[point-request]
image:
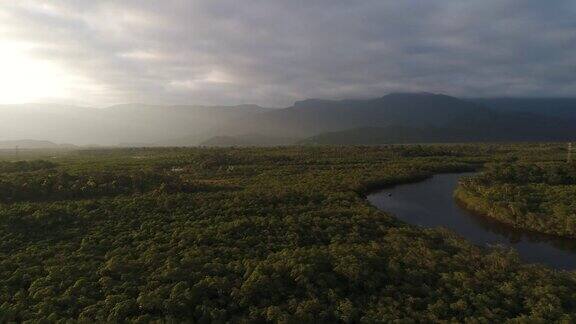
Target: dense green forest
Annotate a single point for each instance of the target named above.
(533, 196)
(254, 235)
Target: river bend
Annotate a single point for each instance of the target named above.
(430, 203)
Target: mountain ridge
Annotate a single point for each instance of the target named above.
(246, 124)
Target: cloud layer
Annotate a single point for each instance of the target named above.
(275, 52)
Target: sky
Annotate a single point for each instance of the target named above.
(272, 53)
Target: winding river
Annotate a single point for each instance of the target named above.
(430, 203)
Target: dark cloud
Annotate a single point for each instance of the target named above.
(275, 52)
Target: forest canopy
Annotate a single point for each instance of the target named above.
(257, 235)
(532, 196)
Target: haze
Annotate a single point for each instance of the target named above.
(63, 54)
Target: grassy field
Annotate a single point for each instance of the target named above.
(253, 235)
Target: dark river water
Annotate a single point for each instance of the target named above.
(430, 203)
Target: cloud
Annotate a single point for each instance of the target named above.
(275, 52)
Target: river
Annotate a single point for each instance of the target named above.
(430, 203)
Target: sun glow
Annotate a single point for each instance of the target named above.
(24, 78)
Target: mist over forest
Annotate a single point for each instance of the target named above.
(393, 118)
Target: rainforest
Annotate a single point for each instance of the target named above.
(279, 234)
(532, 196)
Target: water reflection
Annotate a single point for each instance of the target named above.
(430, 204)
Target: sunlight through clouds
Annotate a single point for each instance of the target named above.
(24, 78)
(275, 52)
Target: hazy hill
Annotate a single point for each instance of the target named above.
(314, 116)
(397, 117)
(412, 117)
(551, 107)
(133, 123)
(383, 135)
(248, 140)
(518, 127)
(163, 124)
(32, 144)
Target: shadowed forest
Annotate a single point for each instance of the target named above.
(532, 196)
(270, 235)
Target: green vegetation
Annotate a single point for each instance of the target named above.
(24, 166)
(535, 196)
(254, 235)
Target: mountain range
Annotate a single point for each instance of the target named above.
(116, 125)
(393, 118)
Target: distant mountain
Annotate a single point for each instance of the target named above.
(412, 117)
(310, 117)
(133, 123)
(518, 127)
(550, 107)
(33, 144)
(383, 135)
(248, 140)
(396, 117)
(163, 124)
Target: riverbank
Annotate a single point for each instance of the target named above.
(430, 204)
(532, 202)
